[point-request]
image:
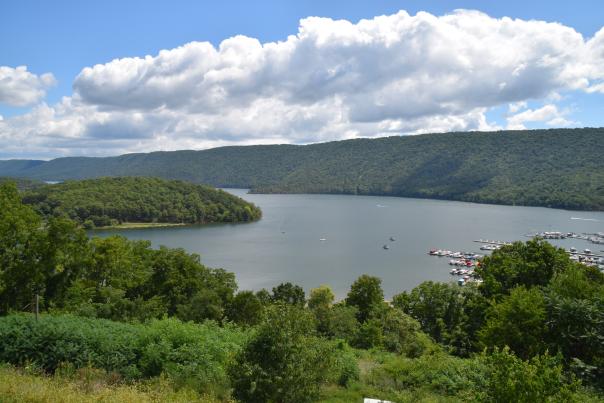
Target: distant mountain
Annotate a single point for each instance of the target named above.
(554, 168)
(14, 167)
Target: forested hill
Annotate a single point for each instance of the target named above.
(554, 168)
(22, 183)
(109, 201)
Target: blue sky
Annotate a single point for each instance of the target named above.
(64, 37)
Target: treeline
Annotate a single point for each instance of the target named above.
(531, 332)
(560, 168)
(23, 183)
(534, 301)
(110, 201)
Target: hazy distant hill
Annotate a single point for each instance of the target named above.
(555, 168)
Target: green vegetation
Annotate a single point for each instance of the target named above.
(129, 351)
(130, 201)
(23, 183)
(120, 321)
(560, 168)
(85, 385)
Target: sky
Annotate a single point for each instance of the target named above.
(115, 77)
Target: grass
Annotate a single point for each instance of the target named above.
(85, 385)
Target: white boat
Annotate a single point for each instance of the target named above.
(322, 239)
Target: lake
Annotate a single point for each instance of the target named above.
(285, 244)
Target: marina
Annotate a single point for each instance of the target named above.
(465, 262)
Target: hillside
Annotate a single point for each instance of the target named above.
(560, 168)
(107, 201)
(23, 183)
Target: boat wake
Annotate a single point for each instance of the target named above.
(583, 219)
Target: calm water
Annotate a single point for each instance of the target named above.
(285, 245)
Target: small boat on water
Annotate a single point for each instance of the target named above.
(573, 249)
(392, 239)
(386, 247)
(322, 239)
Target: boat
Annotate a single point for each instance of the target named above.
(587, 252)
(322, 239)
(386, 247)
(392, 239)
(573, 249)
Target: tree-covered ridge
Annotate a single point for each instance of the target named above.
(104, 201)
(560, 168)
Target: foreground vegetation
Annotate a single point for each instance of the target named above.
(84, 385)
(122, 321)
(560, 168)
(116, 201)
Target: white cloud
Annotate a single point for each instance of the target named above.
(19, 87)
(516, 106)
(548, 113)
(396, 74)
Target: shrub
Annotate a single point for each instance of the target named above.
(284, 361)
(191, 355)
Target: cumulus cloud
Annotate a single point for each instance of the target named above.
(548, 114)
(334, 79)
(19, 87)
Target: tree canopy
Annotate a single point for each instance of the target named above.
(105, 201)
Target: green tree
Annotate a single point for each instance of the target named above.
(246, 309)
(528, 264)
(290, 294)
(366, 295)
(437, 306)
(509, 379)
(517, 322)
(321, 297)
(284, 361)
(319, 303)
(65, 255)
(340, 322)
(21, 237)
(575, 321)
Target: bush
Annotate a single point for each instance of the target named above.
(510, 379)
(189, 354)
(345, 367)
(284, 361)
(438, 373)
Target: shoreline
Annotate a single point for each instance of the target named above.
(139, 225)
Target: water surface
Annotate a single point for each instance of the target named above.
(285, 245)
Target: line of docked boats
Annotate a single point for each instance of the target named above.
(490, 247)
(457, 255)
(464, 263)
(595, 238)
(586, 257)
